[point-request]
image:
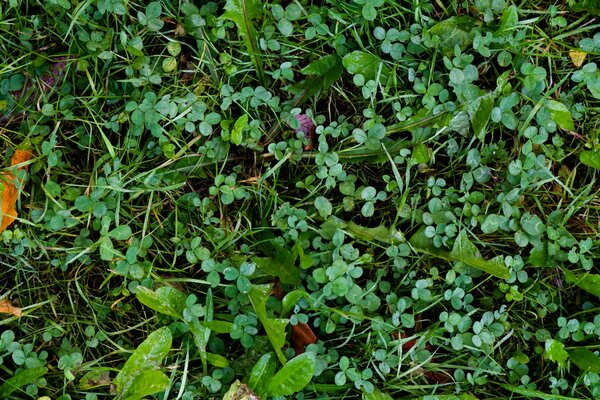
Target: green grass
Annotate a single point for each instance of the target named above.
(179, 237)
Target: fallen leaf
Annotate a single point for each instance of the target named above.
(6, 307)
(578, 57)
(302, 336)
(9, 192)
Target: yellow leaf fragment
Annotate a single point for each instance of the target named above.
(6, 307)
(8, 211)
(578, 57)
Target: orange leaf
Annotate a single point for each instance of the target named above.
(10, 193)
(6, 307)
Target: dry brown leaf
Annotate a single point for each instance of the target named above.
(578, 57)
(6, 307)
(10, 192)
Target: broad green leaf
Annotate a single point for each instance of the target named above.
(561, 115)
(368, 65)
(290, 300)
(261, 374)
(275, 328)
(555, 351)
(463, 250)
(146, 383)
(588, 282)
(165, 300)
(280, 263)
(455, 31)
(481, 116)
(23, 378)
(585, 360)
(293, 376)
(243, 13)
(217, 360)
(219, 326)
(147, 356)
(322, 73)
(590, 158)
(237, 132)
(509, 21)
(530, 393)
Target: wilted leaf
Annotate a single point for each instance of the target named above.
(10, 192)
(8, 308)
(95, 378)
(240, 391)
(578, 57)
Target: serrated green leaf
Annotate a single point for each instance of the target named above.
(293, 376)
(148, 356)
(463, 250)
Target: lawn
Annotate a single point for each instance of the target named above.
(247, 200)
